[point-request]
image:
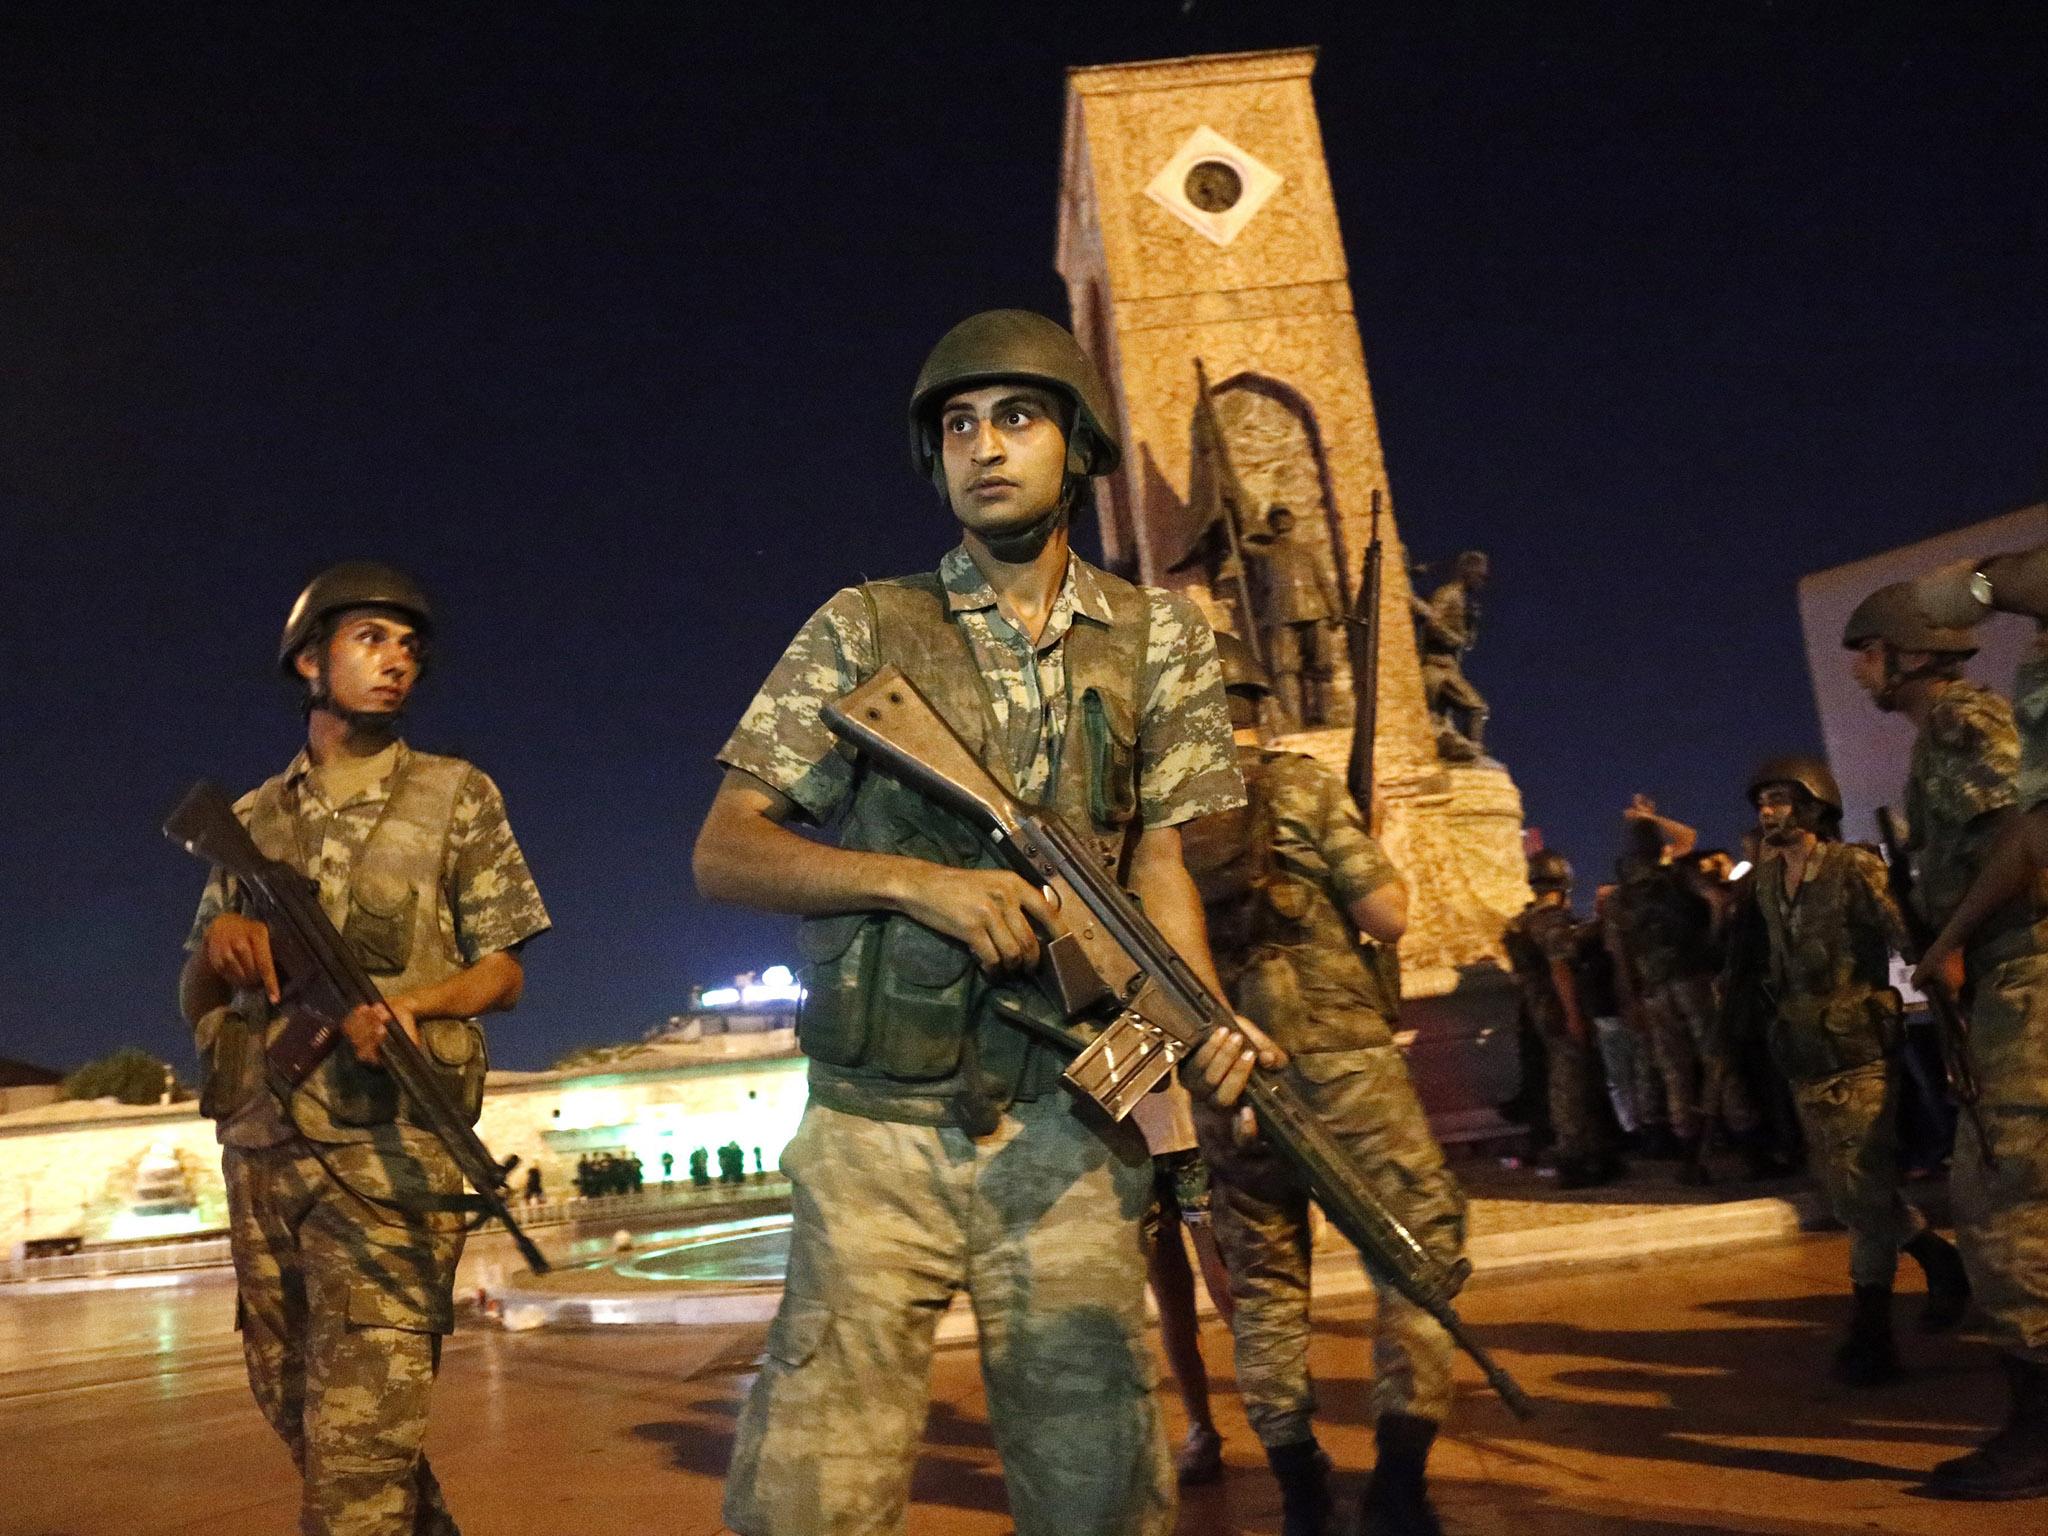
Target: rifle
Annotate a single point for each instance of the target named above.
(1363, 625)
(1104, 962)
(1951, 1028)
(322, 981)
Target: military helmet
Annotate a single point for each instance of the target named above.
(352, 584)
(1002, 344)
(1549, 870)
(1893, 615)
(1242, 670)
(1802, 771)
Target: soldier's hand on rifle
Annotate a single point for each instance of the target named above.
(989, 910)
(237, 950)
(366, 1025)
(1223, 1063)
(1941, 966)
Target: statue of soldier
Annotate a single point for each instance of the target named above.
(1835, 1033)
(1296, 605)
(339, 1206)
(1973, 804)
(1291, 884)
(1447, 627)
(1665, 932)
(1543, 944)
(938, 1152)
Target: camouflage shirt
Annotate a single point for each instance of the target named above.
(491, 902)
(1186, 766)
(1665, 926)
(1542, 935)
(1320, 839)
(1965, 763)
(1447, 629)
(2030, 715)
(1834, 936)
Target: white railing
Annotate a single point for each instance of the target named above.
(212, 1250)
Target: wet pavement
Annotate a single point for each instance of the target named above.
(1681, 1397)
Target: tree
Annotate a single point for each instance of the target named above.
(130, 1074)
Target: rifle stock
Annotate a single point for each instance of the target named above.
(322, 982)
(1106, 965)
(1951, 1027)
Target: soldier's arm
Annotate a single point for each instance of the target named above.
(747, 854)
(2017, 856)
(1567, 988)
(1679, 839)
(1159, 878)
(2019, 584)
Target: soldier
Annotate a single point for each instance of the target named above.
(1296, 602)
(339, 1208)
(1448, 626)
(1974, 767)
(1543, 950)
(1665, 927)
(1835, 1033)
(1290, 885)
(938, 1152)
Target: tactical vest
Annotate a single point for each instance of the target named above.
(1813, 1037)
(390, 916)
(898, 1021)
(1264, 919)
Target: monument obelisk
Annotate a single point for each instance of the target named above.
(1199, 241)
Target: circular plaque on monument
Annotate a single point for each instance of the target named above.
(1213, 186)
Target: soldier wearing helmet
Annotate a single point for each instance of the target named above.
(1304, 909)
(1835, 1034)
(1543, 945)
(416, 863)
(938, 1152)
(1975, 798)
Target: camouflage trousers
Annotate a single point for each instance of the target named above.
(1692, 1059)
(1039, 1223)
(1577, 1124)
(1851, 1124)
(342, 1303)
(1261, 1216)
(2002, 1212)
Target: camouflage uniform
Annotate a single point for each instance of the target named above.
(1835, 1036)
(1966, 765)
(1292, 960)
(1665, 933)
(345, 1273)
(897, 1203)
(1543, 935)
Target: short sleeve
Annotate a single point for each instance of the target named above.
(781, 738)
(1187, 763)
(1358, 865)
(1979, 753)
(497, 906)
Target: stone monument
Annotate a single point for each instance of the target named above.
(1198, 239)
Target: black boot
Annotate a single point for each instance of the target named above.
(1867, 1357)
(1397, 1497)
(2012, 1464)
(1948, 1284)
(1303, 1472)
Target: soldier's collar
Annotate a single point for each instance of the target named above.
(967, 588)
(301, 767)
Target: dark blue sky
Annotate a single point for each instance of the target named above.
(600, 319)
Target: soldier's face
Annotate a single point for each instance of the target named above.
(372, 661)
(1867, 668)
(1005, 456)
(1776, 813)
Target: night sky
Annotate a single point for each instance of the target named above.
(600, 319)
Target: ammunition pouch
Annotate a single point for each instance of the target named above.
(458, 1055)
(1822, 1038)
(379, 925)
(230, 1061)
(1112, 738)
(885, 995)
